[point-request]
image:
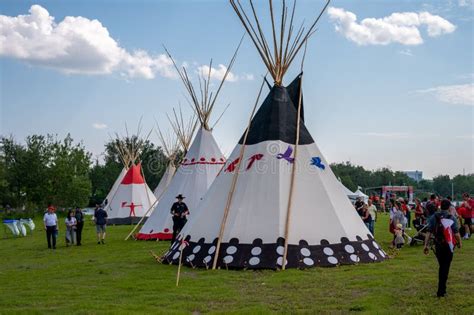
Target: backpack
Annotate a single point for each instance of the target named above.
(439, 236)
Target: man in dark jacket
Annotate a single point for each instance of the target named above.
(100, 218)
(179, 211)
(444, 227)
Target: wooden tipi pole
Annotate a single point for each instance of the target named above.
(234, 182)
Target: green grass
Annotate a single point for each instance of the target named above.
(122, 277)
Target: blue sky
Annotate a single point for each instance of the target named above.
(390, 90)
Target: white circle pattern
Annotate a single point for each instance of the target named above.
(382, 253)
(280, 261)
(231, 250)
(254, 261)
(308, 261)
(211, 250)
(349, 249)
(280, 250)
(333, 260)
(256, 251)
(354, 258)
(176, 255)
(305, 252)
(365, 247)
(207, 259)
(196, 249)
(190, 257)
(372, 256)
(328, 251)
(228, 259)
(375, 244)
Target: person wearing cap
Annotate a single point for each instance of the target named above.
(179, 211)
(51, 226)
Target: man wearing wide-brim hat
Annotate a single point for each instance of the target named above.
(179, 211)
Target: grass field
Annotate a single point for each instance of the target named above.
(122, 277)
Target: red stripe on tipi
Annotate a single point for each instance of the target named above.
(133, 176)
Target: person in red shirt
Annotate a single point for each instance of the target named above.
(419, 213)
(468, 212)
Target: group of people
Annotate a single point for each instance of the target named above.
(74, 224)
(442, 223)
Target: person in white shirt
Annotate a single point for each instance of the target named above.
(51, 226)
(71, 225)
(373, 215)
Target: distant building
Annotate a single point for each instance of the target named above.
(415, 175)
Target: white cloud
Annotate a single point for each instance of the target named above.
(74, 45)
(406, 52)
(248, 76)
(402, 28)
(462, 94)
(219, 72)
(99, 126)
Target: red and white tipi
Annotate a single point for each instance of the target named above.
(132, 199)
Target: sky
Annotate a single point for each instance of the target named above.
(386, 83)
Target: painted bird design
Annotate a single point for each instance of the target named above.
(252, 159)
(316, 161)
(286, 155)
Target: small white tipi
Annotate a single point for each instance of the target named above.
(125, 203)
(277, 203)
(199, 168)
(132, 199)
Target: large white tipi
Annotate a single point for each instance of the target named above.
(199, 168)
(277, 203)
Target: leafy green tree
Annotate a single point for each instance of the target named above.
(442, 185)
(69, 173)
(462, 184)
(44, 170)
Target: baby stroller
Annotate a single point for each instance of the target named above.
(421, 229)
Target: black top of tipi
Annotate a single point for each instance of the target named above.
(276, 118)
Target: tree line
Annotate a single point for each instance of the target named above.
(46, 169)
(353, 176)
